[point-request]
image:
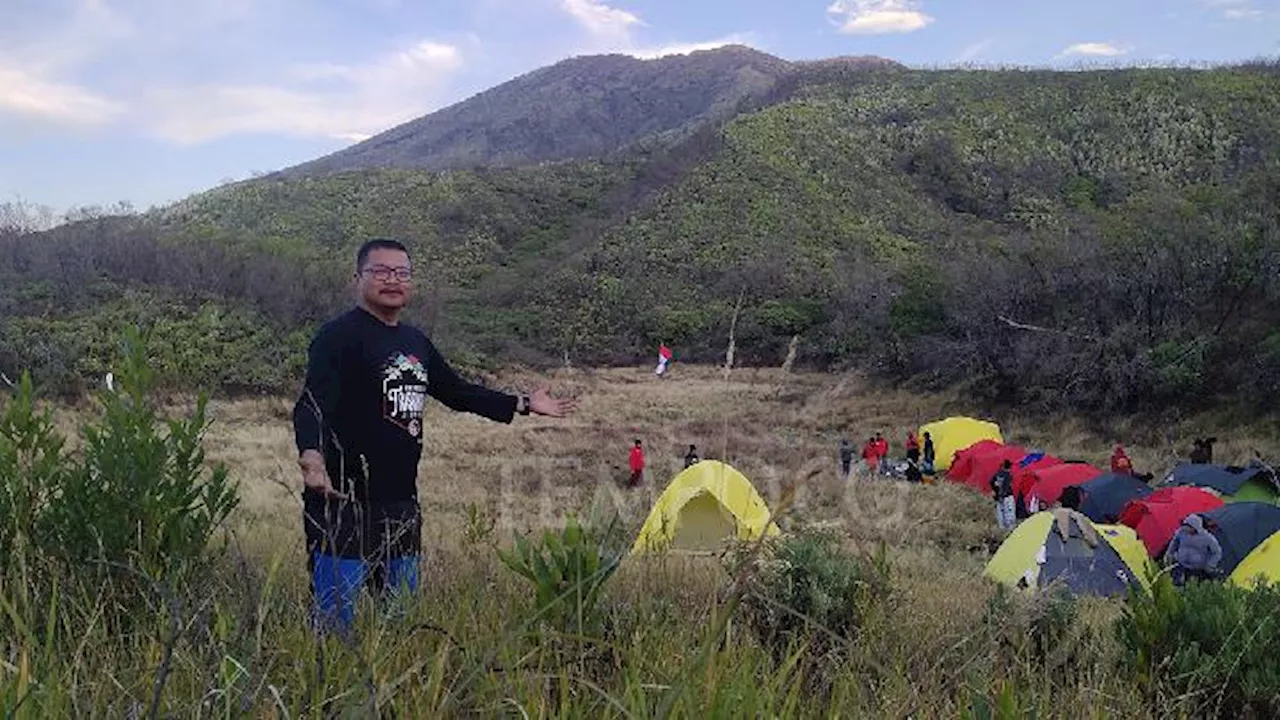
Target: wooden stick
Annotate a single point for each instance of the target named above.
(1036, 328)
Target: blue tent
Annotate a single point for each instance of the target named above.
(1104, 497)
(1241, 527)
(1254, 482)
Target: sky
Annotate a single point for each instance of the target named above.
(148, 101)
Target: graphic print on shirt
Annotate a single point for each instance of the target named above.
(404, 392)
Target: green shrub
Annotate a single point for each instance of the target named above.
(568, 569)
(805, 588)
(1211, 648)
(133, 511)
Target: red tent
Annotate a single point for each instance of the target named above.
(1157, 516)
(986, 465)
(962, 464)
(1048, 483)
(1025, 477)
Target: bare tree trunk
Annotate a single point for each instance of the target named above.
(791, 354)
(733, 329)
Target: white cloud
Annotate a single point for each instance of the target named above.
(685, 48)
(1094, 49)
(878, 17)
(602, 21)
(348, 102)
(1235, 9)
(27, 94)
(1242, 13)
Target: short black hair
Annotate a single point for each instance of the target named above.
(362, 255)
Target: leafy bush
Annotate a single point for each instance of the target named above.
(134, 510)
(568, 568)
(805, 588)
(1211, 648)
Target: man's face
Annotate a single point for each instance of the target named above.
(386, 279)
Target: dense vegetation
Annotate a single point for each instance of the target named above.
(1104, 241)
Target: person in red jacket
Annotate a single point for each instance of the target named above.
(1120, 462)
(636, 461)
(871, 454)
(882, 451)
(913, 447)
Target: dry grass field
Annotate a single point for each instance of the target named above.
(940, 643)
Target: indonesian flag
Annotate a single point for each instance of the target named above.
(664, 357)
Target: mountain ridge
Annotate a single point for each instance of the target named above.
(582, 107)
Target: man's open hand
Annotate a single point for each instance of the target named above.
(541, 403)
(315, 476)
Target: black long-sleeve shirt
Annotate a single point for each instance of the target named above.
(361, 406)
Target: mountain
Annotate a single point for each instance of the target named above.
(1103, 241)
(579, 108)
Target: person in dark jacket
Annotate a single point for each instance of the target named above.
(691, 458)
(358, 428)
(929, 456)
(1193, 552)
(1202, 453)
(1002, 492)
(846, 458)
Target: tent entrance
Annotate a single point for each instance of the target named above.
(703, 524)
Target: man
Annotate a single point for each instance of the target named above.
(1120, 462)
(1193, 551)
(1002, 491)
(929, 454)
(871, 455)
(691, 457)
(636, 462)
(846, 458)
(913, 447)
(358, 430)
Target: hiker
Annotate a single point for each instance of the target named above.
(1002, 491)
(1202, 453)
(636, 462)
(913, 472)
(871, 455)
(691, 457)
(358, 429)
(913, 447)
(1120, 462)
(1194, 552)
(846, 458)
(929, 455)
(882, 451)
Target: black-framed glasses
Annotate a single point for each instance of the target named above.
(382, 273)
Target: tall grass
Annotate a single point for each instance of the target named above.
(676, 635)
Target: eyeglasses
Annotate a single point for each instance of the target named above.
(382, 273)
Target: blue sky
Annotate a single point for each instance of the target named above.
(151, 100)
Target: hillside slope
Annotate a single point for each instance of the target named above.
(580, 108)
(1103, 240)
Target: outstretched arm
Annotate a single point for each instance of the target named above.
(458, 394)
(448, 387)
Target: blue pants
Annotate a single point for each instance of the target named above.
(352, 546)
(336, 582)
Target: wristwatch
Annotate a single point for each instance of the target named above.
(522, 404)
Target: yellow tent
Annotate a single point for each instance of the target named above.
(1262, 562)
(702, 507)
(957, 433)
(1088, 559)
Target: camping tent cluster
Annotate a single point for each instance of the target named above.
(1110, 525)
(1092, 531)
